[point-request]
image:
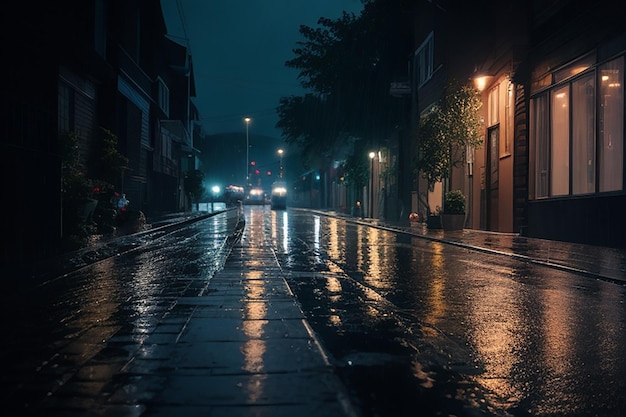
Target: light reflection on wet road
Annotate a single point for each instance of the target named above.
(411, 324)
(531, 340)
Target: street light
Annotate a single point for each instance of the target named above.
(280, 152)
(215, 192)
(247, 120)
(371, 199)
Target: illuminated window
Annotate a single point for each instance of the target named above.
(577, 134)
(611, 125)
(583, 136)
(559, 149)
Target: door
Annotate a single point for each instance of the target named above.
(492, 180)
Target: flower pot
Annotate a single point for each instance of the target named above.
(452, 221)
(433, 222)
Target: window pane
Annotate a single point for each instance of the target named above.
(559, 168)
(583, 136)
(539, 141)
(611, 124)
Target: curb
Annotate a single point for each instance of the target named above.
(62, 265)
(517, 256)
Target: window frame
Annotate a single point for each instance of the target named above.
(541, 125)
(423, 60)
(163, 96)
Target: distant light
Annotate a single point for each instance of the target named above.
(317, 177)
(372, 155)
(216, 189)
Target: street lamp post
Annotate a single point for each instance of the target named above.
(247, 120)
(280, 152)
(371, 196)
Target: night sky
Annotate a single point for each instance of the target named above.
(239, 49)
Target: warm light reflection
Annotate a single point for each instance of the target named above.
(334, 249)
(254, 321)
(333, 285)
(335, 291)
(372, 276)
(578, 70)
(316, 232)
(435, 297)
(285, 232)
(253, 351)
(360, 251)
(142, 286)
(494, 319)
(381, 259)
(274, 228)
(280, 230)
(98, 305)
(558, 333)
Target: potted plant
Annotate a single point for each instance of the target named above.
(453, 216)
(443, 135)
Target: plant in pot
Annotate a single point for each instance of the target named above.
(443, 135)
(453, 216)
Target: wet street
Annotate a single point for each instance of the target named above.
(402, 315)
(410, 326)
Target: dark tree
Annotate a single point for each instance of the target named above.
(193, 185)
(348, 65)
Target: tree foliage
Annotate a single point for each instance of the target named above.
(444, 133)
(347, 66)
(193, 185)
(106, 162)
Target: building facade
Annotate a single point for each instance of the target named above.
(84, 68)
(574, 81)
(551, 81)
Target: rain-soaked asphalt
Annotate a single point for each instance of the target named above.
(398, 312)
(412, 326)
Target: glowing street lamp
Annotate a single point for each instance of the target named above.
(280, 152)
(215, 192)
(247, 120)
(371, 199)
